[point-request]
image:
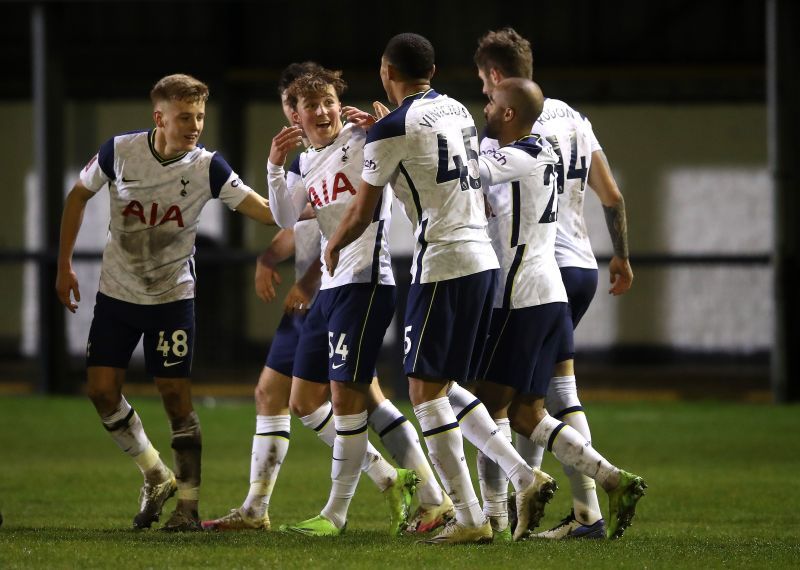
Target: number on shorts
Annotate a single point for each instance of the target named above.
(180, 346)
(341, 347)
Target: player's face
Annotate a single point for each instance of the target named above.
(494, 118)
(181, 123)
(486, 78)
(320, 116)
(385, 80)
(287, 108)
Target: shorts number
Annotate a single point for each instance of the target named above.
(179, 346)
(407, 341)
(341, 347)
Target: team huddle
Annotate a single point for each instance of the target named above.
(502, 273)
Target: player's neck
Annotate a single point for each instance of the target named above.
(162, 146)
(510, 135)
(403, 90)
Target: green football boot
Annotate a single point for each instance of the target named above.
(398, 497)
(317, 526)
(622, 503)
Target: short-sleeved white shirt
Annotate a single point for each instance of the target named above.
(571, 136)
(427, 149)
(155, 207)
(522, 223)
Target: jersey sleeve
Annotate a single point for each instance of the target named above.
(100, 169)
(594, 144)
(287, 194)
(385, 148)
(505, 165)
(225, 184)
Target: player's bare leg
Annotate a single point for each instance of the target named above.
(270, 445)
(529, 417)
(446, 451)
(187, 445)
(104, 388)
(402, 441)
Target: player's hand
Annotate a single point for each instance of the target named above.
(265, 280)
(67, 287)
(381, 110)
(297, 301)
(283, 142)
(359, 118)
(620, 275)
(331, 259)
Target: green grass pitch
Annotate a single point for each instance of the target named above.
(723, 493)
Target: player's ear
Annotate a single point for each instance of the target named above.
(495, 75)
(509, 114)
(158, 118)
(433, 71)
(295, 117)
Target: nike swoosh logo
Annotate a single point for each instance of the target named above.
(335, 366)
(337, 459)
(303, 174)
(168, 364)
(130, 179)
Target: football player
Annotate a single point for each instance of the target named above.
(159, 180)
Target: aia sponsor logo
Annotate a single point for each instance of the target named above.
(340, 185)
(154, 216)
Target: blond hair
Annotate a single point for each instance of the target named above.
(179, 87)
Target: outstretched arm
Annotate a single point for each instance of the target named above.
(356, 220)
(602, 182)
(256, 207)
(71, 220)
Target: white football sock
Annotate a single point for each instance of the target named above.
(375, 466)
(446, 451)
(270, 444)
(494, 484)
(348, 456)
(481, 431)
(572, 449)
(531, 453)
(127, 431)
(401, 440)
(562, 400)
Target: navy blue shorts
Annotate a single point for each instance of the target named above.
(281, 351)
(581, 285)
(522, 347)
(343, 333)
(168, 331)
(446, 326)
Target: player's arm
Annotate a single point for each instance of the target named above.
(602, 182)
(286, 193)
(71, 220)
(299, 296)
(280, 249)
(356, 220)
(256, 207)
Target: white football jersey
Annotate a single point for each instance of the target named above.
(427, 149)
(328, 178)
(522, 223)
(571, 135)
(155, 208)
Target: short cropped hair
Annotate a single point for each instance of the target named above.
(315, 83)
(179, 87)
(506, 51)
(411, 54)
(295, 70)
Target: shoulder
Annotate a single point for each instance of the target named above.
(122, 144)
(392, 125)
(532, 145)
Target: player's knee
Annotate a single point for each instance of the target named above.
(105, 397)
(302, 408)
